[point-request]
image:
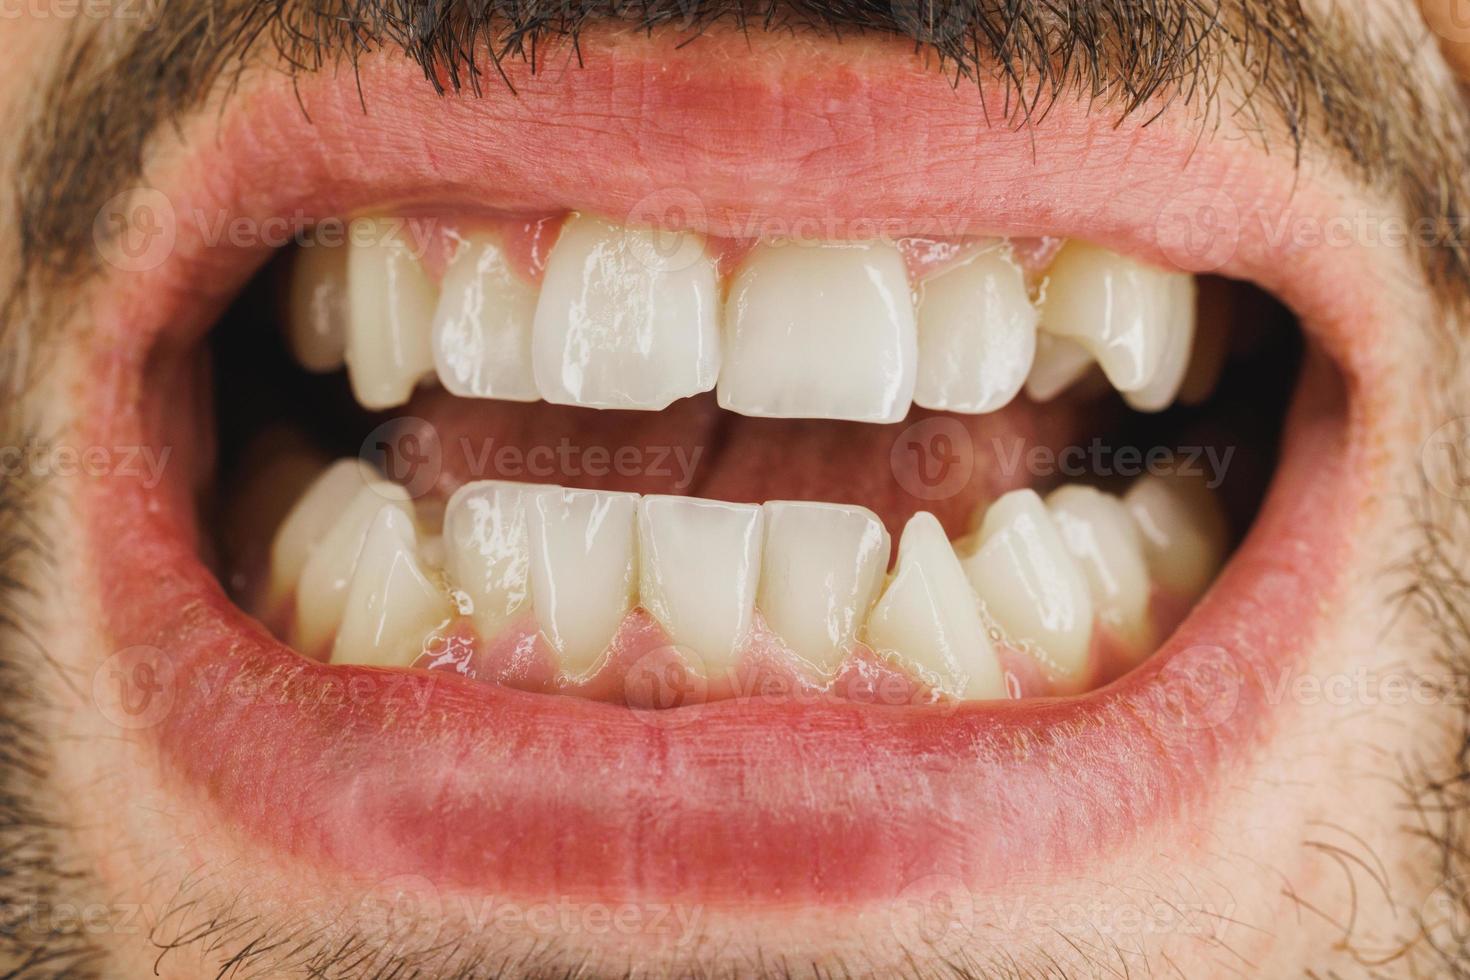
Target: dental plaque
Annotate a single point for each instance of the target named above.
(652, 468)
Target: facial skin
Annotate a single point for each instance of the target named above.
(1332, 847)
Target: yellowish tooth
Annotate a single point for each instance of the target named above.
(391, 302)
(488, 552)
(321, 592)
(482, 325)
(821, 571)
(310, 519)
(1059, 364)
(928, 619)
(1184, 531)
(392, 606)
(1160, 391)
(584, 570)
(316, 307)
(1030, 583)
(1100, 533)
(977, 335)
(700, 562)
(1114, 306)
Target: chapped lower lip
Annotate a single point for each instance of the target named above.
(480, 788)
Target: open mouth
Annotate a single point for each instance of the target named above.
(769, 530)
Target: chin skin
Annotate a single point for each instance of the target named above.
(1309, 856)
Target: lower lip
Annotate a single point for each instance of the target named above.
(476, 787)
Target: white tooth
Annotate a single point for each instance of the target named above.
(1101, 535)
(487, 551)
(977, 335)
(821, 570)
(1031, 585)
(316, 309)
(929, 619)
(1160, 391)
(584, 574)
(623, 321)
(392, 302)
(482, 325)
(321, 592)
(392, 605)
(700, 562)
(310, 519)
(1060, 363)
(1117, 308)
(820, 331)
(1184, 532)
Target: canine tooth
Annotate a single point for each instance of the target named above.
(584, 546)
(977, 335)
(821, 570)
(1059, 364)
(1030, 583)
(1184, 532)
(487, 550)
(929, 619)
(820, 331)
(308, 522)
(1099, 532)
(391, 307)
(1160, 391)
(1114, 306)
(391, 605)
(321, 592)
(622, 324)
(316, 310)
(700, 562)
(482, 325)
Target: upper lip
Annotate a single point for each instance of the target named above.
(478, 787)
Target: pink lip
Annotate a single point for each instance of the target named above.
(477, 787)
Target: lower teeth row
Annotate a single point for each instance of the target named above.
(359, 575)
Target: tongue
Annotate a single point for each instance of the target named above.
(935, 461)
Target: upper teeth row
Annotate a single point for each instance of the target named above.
(833, 330)
(350, 562)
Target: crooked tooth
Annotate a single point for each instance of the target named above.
(977, 335)
(621, 323)
(1184, 531)
(821, 570)
(482, 325)
(1117, 308)
(700, 562)
(317, 307)
(391, 304)
(488, 551)
(321, 592)
(309, 520)
(584, 546)
(1030, 583)
(820, 331)
(1059, 364)
(928, 617)
(1099, 532)
(1161, 390)
(391, 605)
